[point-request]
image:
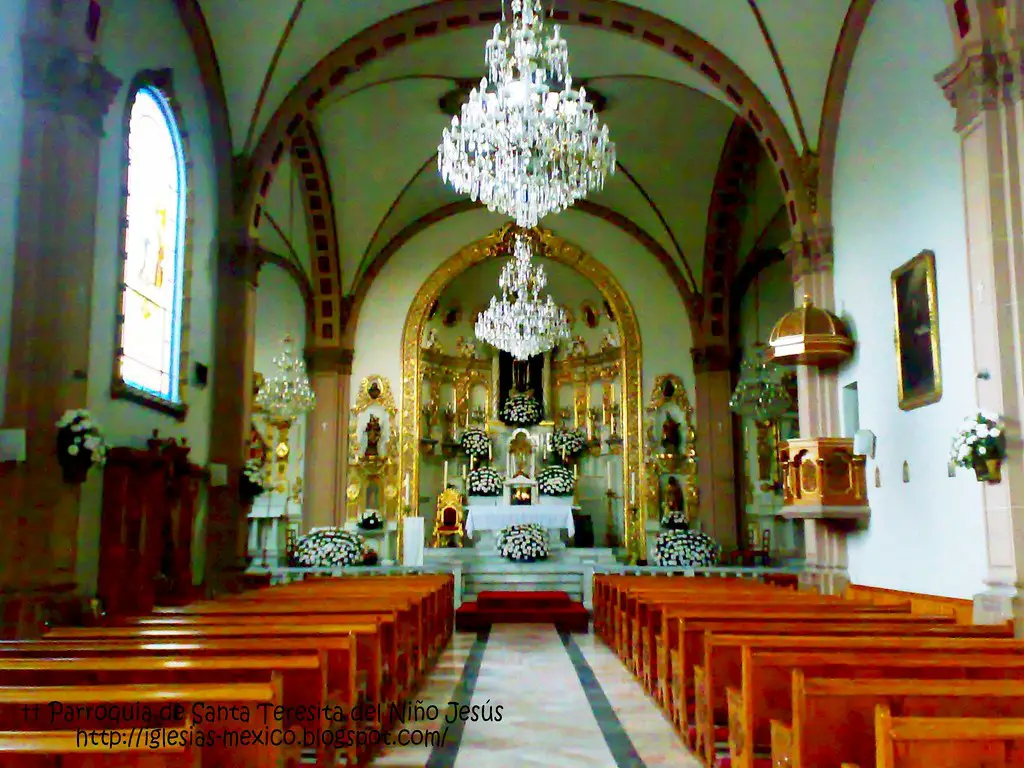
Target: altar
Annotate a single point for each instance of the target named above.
(494, 517)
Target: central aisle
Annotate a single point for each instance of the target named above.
(565, 701)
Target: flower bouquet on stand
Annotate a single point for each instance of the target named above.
(521, 410)
(675, 520)
(80, 445)
(370, 520)
(981, 445)
(556, 481)
(329, 548)
(568, 444)
(475, 443)
(484, 481)
(523, 543)
(253, 481)
(686, 549)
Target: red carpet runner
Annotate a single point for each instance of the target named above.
(523, 608)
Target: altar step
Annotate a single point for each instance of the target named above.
(532, 607)
(511, 577)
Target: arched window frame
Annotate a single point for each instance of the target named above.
(161, 83)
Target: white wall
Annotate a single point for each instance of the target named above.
(132, 41)
(898, 190)
(11, 21)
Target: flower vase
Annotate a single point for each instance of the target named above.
(988, 470)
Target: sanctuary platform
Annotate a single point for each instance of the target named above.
(556, 608)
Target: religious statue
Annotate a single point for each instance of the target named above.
(610, 340)
(372, 433)
(465, 348)
(670, 435)
(521, 450)
(430, 339)
(674, 496)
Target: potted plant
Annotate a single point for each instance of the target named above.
(688, 549)
(523, 543)
(521, 410)
(555, 481)
(252, 483)
(484, 481)
(475, 443)
(568, 444)
(80, 445)
(980, 444)
(329, 548)
(370, 520)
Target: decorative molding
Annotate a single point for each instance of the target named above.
(67, 82)
(810, 254)
(428, 21)
(979, 82)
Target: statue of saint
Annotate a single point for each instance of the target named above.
(670, 435)
(372, 433)
(674, 496)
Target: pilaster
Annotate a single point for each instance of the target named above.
(716, 471)
(327, 436)
(984, 87)
(67, 93)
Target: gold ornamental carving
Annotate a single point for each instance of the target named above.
(373, 477)
(628, 356)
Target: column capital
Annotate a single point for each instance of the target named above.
(711, 358)
(810, 253)
(67, 81)
(330, 359)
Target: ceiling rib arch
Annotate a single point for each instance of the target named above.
(450, 15)
(438, 215)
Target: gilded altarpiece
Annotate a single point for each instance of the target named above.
(671, 448)
(621, 365)
(373, 451)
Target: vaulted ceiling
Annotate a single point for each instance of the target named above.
(378, 130)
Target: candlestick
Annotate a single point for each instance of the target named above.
(575, 471)
(590, 428)
(444, 483)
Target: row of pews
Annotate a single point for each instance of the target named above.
(318, 670)
(758, 676)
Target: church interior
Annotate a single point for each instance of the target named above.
(570, 383)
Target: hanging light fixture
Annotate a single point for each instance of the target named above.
(760, 394)
(526, 144)
(520, 322)
(287, 394)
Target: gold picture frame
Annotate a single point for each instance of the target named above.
(918, 363)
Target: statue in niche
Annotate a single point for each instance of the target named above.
(610, 340)
(674, 496)
(670, 435)
(430, 339)
(372, 432)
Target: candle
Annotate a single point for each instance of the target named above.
(444, 483)
(490, 454)
(405, 491)
(632, 489)
(608, 475)
(464, 473)
(590, 429)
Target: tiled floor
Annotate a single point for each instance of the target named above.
(565, 701)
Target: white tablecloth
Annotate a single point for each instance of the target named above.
(500, 516)
(412, 554)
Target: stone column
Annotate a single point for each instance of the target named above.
(327, 436)
(67, 94)
(825, 558)
(716, 471)
(227, 524)
(984, 87)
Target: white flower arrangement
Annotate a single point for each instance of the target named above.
(523, 542)
(253, 473)
(521, 410)
(568, 443)
(555, 481)
(484, 481)
(981, 437)
(475, 443)
(370, 520)
(79, 436)
(675, 520)
(691, 549)
(329, 548)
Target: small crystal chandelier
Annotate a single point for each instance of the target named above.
(520, 322)
(760, 394)
(287, 394)
(526, 144)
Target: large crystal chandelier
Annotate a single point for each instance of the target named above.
(526, 144)
(760, 394)
(287, 394)
(520, 322)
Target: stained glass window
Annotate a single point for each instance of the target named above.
(151, 294)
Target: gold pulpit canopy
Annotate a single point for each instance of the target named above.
(810, 335)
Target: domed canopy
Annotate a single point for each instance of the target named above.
(810, 335)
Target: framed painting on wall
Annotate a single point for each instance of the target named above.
(918, 368)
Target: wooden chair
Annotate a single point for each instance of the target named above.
(449, 521)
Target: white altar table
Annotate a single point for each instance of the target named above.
(496, 517)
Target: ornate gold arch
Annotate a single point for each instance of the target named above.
(572, 256)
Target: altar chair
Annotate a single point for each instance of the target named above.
(448, 521)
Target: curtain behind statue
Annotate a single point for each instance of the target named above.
(524, 375)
